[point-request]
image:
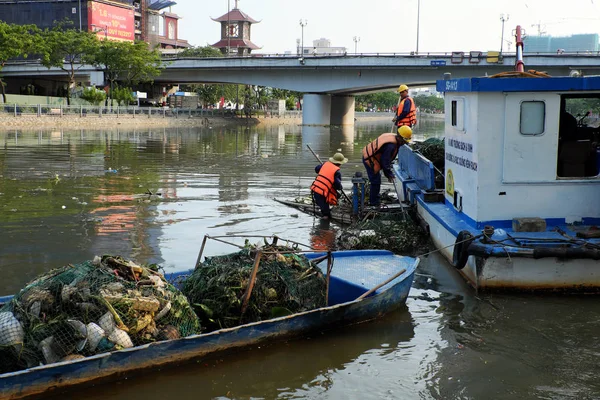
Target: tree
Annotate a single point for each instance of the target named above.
(93, 95)
(429, 103)
(68, 49)
(206, 51)
(130, 63)
(123, 95)
(16, 41)
(380, 100)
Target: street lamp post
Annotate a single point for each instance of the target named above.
(356, 40)
(228, 28)
(79, 15)
(503, 18)
(418, 20)
(303, 23)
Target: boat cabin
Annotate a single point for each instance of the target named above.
(521, 148)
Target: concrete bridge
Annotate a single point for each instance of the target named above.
(330, 82)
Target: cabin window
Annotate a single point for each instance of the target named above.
(578, 135)
(533, 115)
(457, 114)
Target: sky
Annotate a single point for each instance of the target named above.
(386, 26)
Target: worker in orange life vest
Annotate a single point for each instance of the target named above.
(406, 114)
(378, 156)
(328, 180)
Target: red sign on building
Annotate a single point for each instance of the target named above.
(111, 22)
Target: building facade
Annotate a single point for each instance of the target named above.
(320, 46)
(553, 44)
(122, 20)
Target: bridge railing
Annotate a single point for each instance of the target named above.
(44, 110)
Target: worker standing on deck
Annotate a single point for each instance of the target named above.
(406, 114)
(327, 182)
(379, 154)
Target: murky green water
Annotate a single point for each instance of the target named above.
(68, 195)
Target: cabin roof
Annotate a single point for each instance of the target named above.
(486, 84)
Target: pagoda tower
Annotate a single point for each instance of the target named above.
(235, 33)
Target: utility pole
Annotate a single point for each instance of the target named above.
(228, 31)
(356, 40)
(303, 23)
(503, 18)
(418, 21)
(79, 15)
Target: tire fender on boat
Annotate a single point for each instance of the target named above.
(460, 255)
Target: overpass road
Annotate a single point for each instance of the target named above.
(330, 82)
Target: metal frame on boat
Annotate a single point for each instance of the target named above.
(522, 179)
(363, 285)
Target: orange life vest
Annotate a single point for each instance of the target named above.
(371, 152)
(409, 119)
(323, 184)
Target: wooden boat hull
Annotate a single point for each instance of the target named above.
(110, 365)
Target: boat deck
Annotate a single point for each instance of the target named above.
(363, 270)
(554, 235)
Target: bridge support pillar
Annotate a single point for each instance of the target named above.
(316, 109)
(342, 110)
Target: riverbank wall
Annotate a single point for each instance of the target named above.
(109, 121)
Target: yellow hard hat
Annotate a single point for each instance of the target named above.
(402, 88)
(405, 132)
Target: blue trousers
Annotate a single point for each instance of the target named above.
(323, 205)
(375, 180)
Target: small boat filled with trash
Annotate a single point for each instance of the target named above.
(103, 319)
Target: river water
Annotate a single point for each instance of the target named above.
(67, 195)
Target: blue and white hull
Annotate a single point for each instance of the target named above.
(500, 266)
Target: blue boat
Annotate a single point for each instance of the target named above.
(519, 206)
(363, 285)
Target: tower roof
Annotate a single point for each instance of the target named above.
(236, 15)
(234, 43)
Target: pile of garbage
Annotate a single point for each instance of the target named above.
(94, 307)
(286, 283)
(391, 232)
(434, 150)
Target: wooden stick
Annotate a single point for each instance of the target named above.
(201, 251)
(381, 284)
(329, 266)
(252, 281)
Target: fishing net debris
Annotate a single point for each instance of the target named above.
(85, 309)
(286, 283)
(391, 232)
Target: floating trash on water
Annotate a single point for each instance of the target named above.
(63, 207)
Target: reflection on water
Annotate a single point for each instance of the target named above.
(153, 194)
(322, 235)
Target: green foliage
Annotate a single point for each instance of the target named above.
(68, 49)
(16, 41)
(206, 51)
(130, 63)
(429, 103)
(290, 97)
(580, 106)
(208, 94)
(381, 100)
(123, 95)
(93, 95)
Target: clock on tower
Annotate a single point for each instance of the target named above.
(232, 30)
